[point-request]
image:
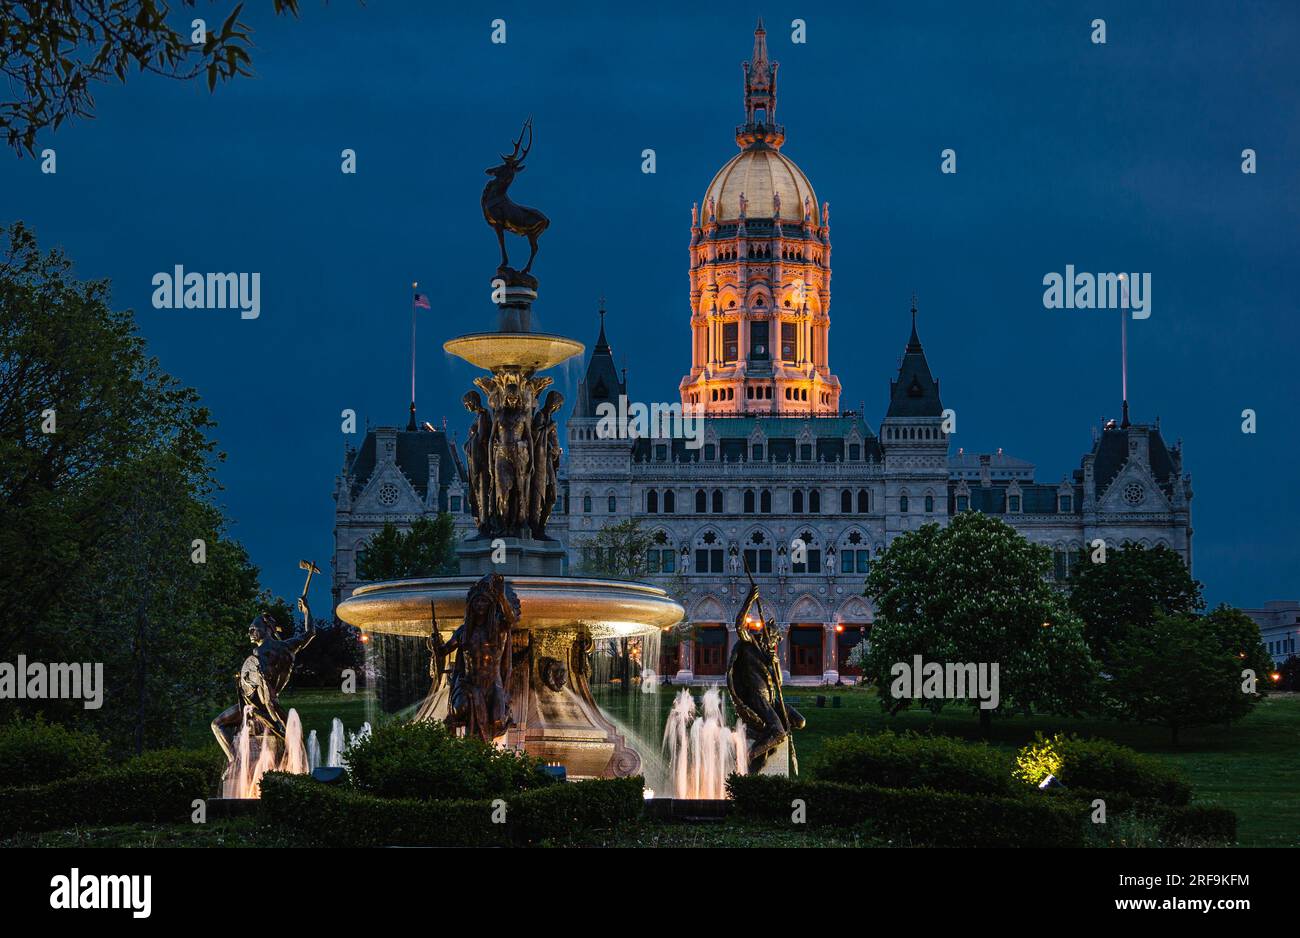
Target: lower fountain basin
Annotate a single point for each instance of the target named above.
(608, 608)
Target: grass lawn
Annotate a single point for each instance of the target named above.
(317, 708)
(1251, 767)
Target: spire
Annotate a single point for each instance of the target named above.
(915, 393)
(760, 127)
(602, 383)
(760, 47)
(914, 343)
(601, 343)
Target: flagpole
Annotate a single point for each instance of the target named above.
(1123, 348)
(411, 424)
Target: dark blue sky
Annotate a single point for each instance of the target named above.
(1116, 157)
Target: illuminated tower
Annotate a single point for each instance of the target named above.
(760, 274)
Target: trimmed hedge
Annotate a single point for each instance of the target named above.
(33, 752)
(425, 761)
(1099, 765)
(113, 797)
(211, 762)
(891, 760)
(338, 816)
(913, 816)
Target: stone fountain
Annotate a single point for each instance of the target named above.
(510, 638)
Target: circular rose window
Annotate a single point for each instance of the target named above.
(1133, 493)
(388, 494)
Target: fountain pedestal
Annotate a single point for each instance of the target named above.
(511, 556)
(778, 763)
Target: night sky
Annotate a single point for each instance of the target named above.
(1117, 157)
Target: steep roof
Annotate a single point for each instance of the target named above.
(601, 384)
(915, 393)
(1110, 453)
(412, 457)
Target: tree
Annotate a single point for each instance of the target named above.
(1186, 670)
(617, 551)
(1127, 592)
(53, 51)
(427, 548)
(977, 592)
(114, 552)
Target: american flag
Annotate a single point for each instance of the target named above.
(421, 301)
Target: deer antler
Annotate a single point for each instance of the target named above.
(528, 125)
(515, 157)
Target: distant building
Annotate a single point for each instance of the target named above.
(1279, 628)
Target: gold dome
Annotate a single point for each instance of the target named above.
(758, 172)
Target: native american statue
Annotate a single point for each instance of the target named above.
(262, 676)
(512, 455)
(754, 685)
(478, 696)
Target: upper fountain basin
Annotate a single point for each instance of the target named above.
(495, 351)
(609, 608)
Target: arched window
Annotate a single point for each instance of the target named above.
(701, 502)
(765, 501)
(806, 545)
(717, 501)
(661, 558)
(929, 504)
(864, 501)
(670, 502)
(814, 502)
(797, 502)
(846, 502)
(758, 553)
(586, 504)
(652, 502)
(709, 554)
(902, 503)
(613, 504)
(749, 501)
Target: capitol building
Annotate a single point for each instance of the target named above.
(784, 481)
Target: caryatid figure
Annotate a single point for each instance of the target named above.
(546, 463)
(476, 458)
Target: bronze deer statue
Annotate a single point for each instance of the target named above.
(504, 215)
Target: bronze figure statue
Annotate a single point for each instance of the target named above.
(478, 695)
(512, 451)
(754, 685)
(262, 676)
(476, 458)
(503, 215)
(546, 463)
(513, 455)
